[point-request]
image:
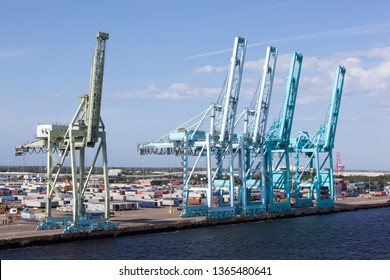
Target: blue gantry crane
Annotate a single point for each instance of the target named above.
(217, 146)
(251, 150)
(221, 143)
(277, 153)
(314, 181)
(263, 182)
(85, 130)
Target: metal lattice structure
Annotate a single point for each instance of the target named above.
(339, 167)
(216, 146)
(260, 156)
(277, 155)
(251, 151)
(85, 130)
(315, 182)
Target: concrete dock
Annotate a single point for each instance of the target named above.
(23, 233)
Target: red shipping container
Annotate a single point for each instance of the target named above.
(194, 201)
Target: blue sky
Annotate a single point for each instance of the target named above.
(166, 61)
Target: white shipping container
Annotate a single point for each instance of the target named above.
(130, 192)
(167, 202)
(61, 203)
(194, 195)
(139, 196)
(39, 203)
(118, 197)
(102, 194)
(35, 203)
(149, 193)
(96, 200)
(174, 195)
(35, 195)
(95, 206)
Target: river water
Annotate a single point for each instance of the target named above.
(362, 234)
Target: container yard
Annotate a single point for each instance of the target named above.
(138, 209)
(256, 173)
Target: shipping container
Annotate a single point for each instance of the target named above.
(147, 203)
(174, 195)
(193, 201)
(131, 205)
(130, 192)
(39, 203)
(167, 202)
(96, 214)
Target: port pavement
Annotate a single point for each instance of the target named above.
(151, 220)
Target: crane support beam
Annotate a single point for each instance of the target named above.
(318, 189)
(95, 90)
(232, 90)
(264, 96)
(278, 181)
(334, 109)
(287, 116)
(252, 193)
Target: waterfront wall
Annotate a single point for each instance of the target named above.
(49, 238)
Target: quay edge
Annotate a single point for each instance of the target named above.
(50, 237)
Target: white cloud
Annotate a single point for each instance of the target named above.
(249, 81)
(175, 91)
(253, 65)
(211, 69)
(368, 77)
(250, 65)
(205, 69)
(13, 53)
(368, 74)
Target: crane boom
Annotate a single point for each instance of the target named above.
(95, 89)
(264, 98)
(334, 109)
(287, 115)
(232, 89)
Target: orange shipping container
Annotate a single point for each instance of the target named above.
(194, 201)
